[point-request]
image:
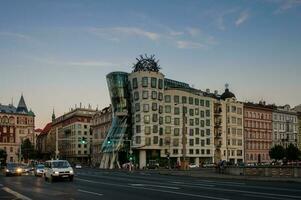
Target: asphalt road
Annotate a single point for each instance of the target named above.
(96, 184)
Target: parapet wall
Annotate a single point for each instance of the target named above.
(294, 172)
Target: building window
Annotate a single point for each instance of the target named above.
(155, 117)
(197, 140)
(155, 128)
(207, 122)
(160, 97)
(154, 94)
(184, 99)
(137, 107)
(207, 132)
(160, 120)
(202, 114)
(167, 119)
(190, 100)
(167, 98)
(11, 149)
(145, 107)
(156, 139)
(197, 121)
(207, 103)
(138, 118)
(176, 132)
(208, 151)
(196, 111)
(208, 141)
(191, 132)
(201, 102)
(167, 130)
(177, 111)
(191, 142)
(138, 139)
(207, 113)
(136, 96)
(154, 106)
(190, 151)
(233, 109)
(145, 94)
(191, 112)
(176, 99)
(177, 121)
(196, 101)
(160, 83)
(147, 130)
(138, 129)
(146, 119)
(202, 123)
(191, 122)
(144, 81)
(153, 82)
(167, 109)
(239, 111)
(135, 83)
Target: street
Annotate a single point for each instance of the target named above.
(98, 184)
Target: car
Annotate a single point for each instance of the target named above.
(78, 166)
(191, 166)
(39, 170)
(152, 164)
(208, 165)
(58, 169)
(13, 169)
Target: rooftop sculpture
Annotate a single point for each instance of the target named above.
(145, 63)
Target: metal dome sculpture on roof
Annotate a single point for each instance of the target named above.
(227, 94)
(146, 64)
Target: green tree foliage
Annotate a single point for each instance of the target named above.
(3, 156)
(292, 152)
(277, 152)
(27, 150)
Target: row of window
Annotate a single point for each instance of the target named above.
(256, 124)
(258, 135)
(258, 145)
(258, 115)
(154, 82)
(257, 157)
(234, 109)
(234, 142)
(233, 152)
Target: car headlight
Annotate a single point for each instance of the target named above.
(19, 170)
(7, 170)
(71, 172)
(56, 172)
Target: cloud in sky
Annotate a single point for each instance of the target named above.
(185, 44)
(193, 31)
(242, 18)
(285, 5)
(16, 35)
(80, 63)
(114, 32)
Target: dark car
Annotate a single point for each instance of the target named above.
(13, 169)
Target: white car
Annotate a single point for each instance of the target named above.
(193, 166)
(58, 169)
(78, 166)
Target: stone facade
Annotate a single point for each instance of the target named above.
(101, 122)
(16, 124)
(285, 126)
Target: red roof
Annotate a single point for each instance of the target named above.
(46, 129)
(38, 130)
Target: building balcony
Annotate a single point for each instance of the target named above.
(217, 111)
(217, 124)
(218, 145)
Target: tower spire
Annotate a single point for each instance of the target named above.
(22, 108)
(53, 115)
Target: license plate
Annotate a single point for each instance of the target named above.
(65, 176)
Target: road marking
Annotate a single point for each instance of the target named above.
(261, 197)
(250, 192)
(157, 190)
(159, 186)
(16, 194)
(88, 192)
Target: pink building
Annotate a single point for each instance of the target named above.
(257, 132)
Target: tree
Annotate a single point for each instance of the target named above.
(277, 152)
(292, 152)
(27, 150)
(3, 156)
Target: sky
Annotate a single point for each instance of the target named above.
(58, 52)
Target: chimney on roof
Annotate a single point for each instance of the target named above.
(207, 90)
(215, 92)
(80, 105)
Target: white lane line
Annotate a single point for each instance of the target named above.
(261, 197)
(89, 192)
(157, 190)
(159, 186)
(191, 185)
(16, 194)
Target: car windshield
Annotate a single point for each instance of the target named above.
(40, 166)
(12, 165)
(60, 164)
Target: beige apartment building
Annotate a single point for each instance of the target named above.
(74, 134)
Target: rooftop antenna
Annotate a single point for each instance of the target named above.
(12, 101)
(227, 85)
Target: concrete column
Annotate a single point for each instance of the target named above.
(142, 159)
(197, 161)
